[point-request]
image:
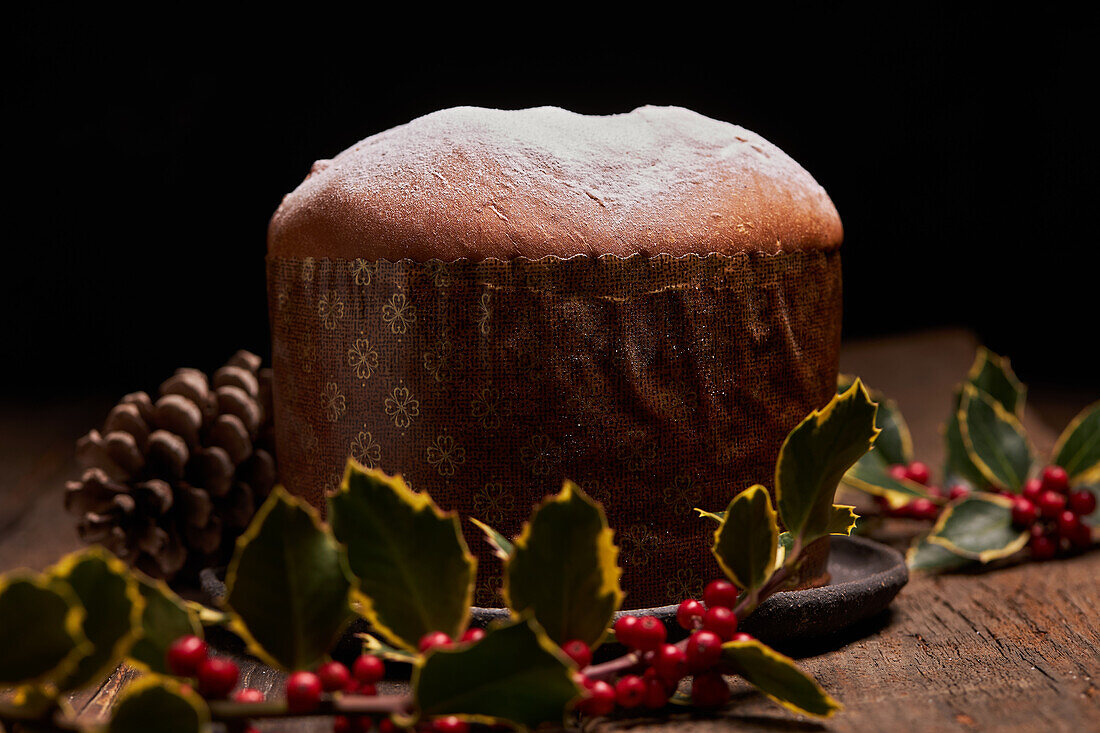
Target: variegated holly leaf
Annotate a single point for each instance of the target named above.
(159, 704)
(563, 568)
(979, 527)
(894, 443)
(502, 546)
(415, 573)
(747, 537)
(779, 678)
(994, 439)
(815, 456)
(993, 375)
(871, 475)
(288, 586)
(379, 648)
(957, 467)
(166, 617)
(1078, 448)
(41, 630)
(514, 674)
(112, 605)
(925, 555)
(842, 521)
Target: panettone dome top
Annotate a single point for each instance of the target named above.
(478, 183)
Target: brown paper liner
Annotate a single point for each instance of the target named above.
(658, 384)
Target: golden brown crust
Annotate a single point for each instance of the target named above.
(478, 183)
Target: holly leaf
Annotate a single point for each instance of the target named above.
(979, 527)
(515, 673)
(895, 442)
(994, 439)
(415, 573)
(41, 630)
(993, 375)
(373, 645)
(779, 678)
(842, 521)
(161, 704)
(871, 475)
(815, 456)
(1078, 448)
(166, 617)
(563, 569)
(924, 555)
(747, 538)
(288, 586)
(112, 605)
(501, 545)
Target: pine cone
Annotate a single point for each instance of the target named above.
(171, 484)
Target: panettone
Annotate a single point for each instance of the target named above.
(490, 301)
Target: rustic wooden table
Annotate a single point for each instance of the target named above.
(1015, 649)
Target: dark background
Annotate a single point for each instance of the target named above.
(145, 155)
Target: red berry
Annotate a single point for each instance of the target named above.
(217, 677)
(629, 691)
(625, 628)
(936, 492)
(450, 724)
(918, 472)
(472, 635)
(649, 634)
(1024, 512)
(1042, 547)
(1055, 478)
(1068, 522)
(1033, 489)
(923, 509)
(385, 725)
(742, 636)
(433, 640)
(185, 654)
(1081, 538)
(1051, 504)
(362, 724)
(368, 668)
(670, 663)
(341, 724)
(579, 652)
(899, 472)
(248, 694)
(958, 491)
(303, 692)
(656, 696)
(600, 699)
(720, 593)
(721, 621)
(1082, 502)
(333, 675)
(709, 690)
(355, 687)
(704, 648)
(689, 613)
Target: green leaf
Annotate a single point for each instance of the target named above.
(159, 704)
(842, 521)
(871, 475)
(373, 645)
(979, 527)
(746, 539)
(1078, 448)
(779, 678)
(993, 375)
(894, 443)
(112, 605)
(924, 555)
(288, 586)
(815, 456)
(415, 573)
(515, 673)
(41, 630)
(564, 569)
(501, 545)
(995, 440)
(166, 618)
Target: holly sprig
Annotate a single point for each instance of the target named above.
(391, 556)
(999, 497)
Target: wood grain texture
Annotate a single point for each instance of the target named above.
(1013, 649)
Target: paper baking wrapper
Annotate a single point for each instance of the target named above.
(658, 384)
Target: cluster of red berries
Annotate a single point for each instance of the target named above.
(1052, 512)
(920, 508)
(711, 623)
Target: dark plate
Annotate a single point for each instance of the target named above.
(864, 577)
